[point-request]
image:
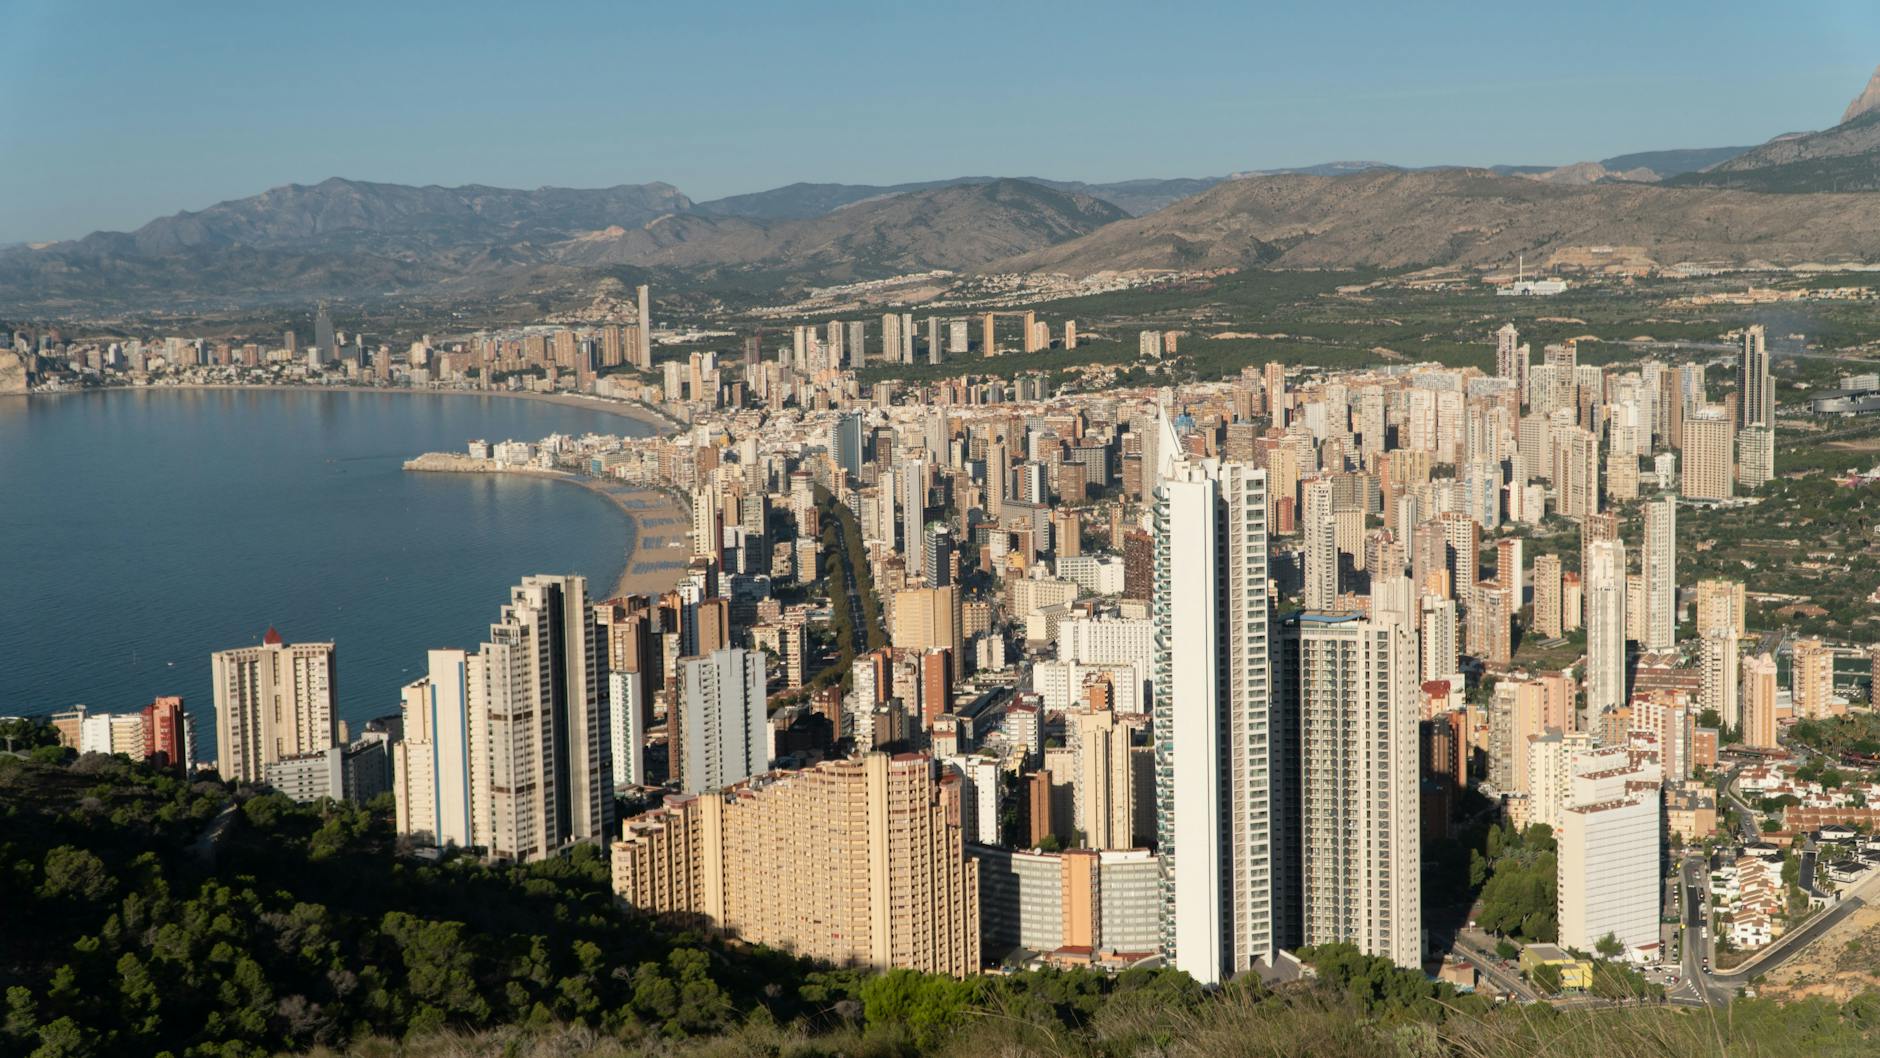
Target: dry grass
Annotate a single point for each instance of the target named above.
(1838, 965)
(1236, 1025)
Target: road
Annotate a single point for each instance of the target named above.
(1475, 944)
(1790, 945)
(1751, 819)
(1696, 988)
(858, 618)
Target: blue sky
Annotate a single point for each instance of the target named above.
(111, 114)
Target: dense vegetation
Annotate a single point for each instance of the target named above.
(1854, 733)
(149, 914)
(1516, 870)
(1340, 320)
(1808, 537)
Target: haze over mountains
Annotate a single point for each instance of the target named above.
(1799, 197)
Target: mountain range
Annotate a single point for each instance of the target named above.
(1799, 197)
(1469, 217)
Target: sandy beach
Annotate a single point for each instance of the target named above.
(653, 564)
(656, 553)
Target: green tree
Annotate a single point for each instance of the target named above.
(66, 1038)
(22, 1016)
(75, 874)
(1546, 977)
(926, 1007)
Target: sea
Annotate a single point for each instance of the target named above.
(141, 530)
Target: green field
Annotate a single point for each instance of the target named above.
(1352, 319)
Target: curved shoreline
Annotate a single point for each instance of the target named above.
(646, 415)
(656, 515)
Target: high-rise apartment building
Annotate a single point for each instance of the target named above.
(1356, 684)
(845, 443)
(1720, 604)
(1707, 455)
(1226, 776)
(1546, 617)
(1755, 387)
(1658, 567)
(1511, 357)
(1722, 682)
(1576, 474)
(1811, 678)
(538, 694)
(1759, 702)
(169, 734)
(272, 701)
(1320, 531)
(1511, 569)
(929, 618)
(1755, 455)
(1608, 872)
(1605, 627)
(720, 736)
(1103, 785)
(858, 861)
(643, 353)
(440, 775)
(1439, 638)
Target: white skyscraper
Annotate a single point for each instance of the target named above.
(723, 737)
(643, 353)
(1359, 854)
(627, 726)
(1224, 769)
(439, 772)
(1658, 564)
(1321, 545)
(509, 750)
(1605, 628)
(1440, 639)
(1608, 872)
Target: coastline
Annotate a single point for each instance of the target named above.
(657, 519)
(650, 566)
(640, 413)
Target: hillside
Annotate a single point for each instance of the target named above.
(148, 914)
(803, 201)
(1674, 162)
(345, 239)
(1395, 219)
(955, 227)
(1843, 158)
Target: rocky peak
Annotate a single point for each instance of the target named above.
(1867, 101)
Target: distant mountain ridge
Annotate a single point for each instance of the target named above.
(344, 238)
(802, 201)
(351, 239)
(1392, 218)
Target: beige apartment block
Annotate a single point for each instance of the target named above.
(853, 861)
